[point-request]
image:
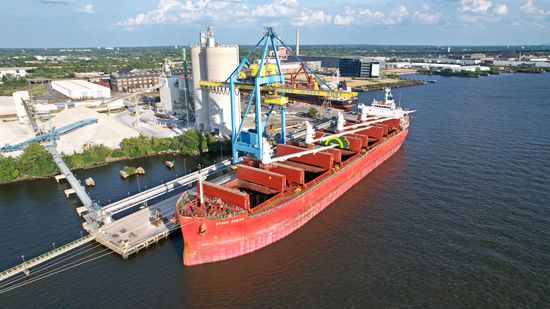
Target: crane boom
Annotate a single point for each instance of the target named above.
(280, 89)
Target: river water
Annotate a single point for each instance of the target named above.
(459, 217)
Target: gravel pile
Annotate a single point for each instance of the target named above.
(107, 131)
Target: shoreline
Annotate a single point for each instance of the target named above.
(108, 161)
(400, 84)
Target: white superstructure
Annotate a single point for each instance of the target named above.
(211, 61)
(80, 89)
(386, 108)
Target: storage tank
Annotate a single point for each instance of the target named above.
(200, 98)
(221, 61)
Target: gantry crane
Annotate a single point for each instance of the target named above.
(266, 84)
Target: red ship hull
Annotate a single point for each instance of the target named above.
(210, 240)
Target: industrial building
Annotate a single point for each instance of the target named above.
(172, 94)
(325, 62)
(212, 61)
(134, 80)
(359, 67)
(80, 89)
(17, 72)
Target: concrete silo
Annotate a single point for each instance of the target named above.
(212, 61)
(200, 98)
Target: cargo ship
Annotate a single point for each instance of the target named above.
(262, 203)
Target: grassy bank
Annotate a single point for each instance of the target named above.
(36, 161)
(392, 84)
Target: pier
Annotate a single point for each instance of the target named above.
(127, 235)
(26, 266)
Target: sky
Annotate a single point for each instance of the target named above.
(91, 23)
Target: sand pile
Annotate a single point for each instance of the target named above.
(107, 131)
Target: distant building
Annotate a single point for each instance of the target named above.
(134, 80)
(92, 77)
(293, 67)
(79, 89)
(359, 67)
(325, 62)
(476, 56)
(50, 58)
(438, 66)
(282, 52)
(17, 72)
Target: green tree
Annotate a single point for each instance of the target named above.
(312, 112)
(134, 147)
(8, 169)
(36, 161)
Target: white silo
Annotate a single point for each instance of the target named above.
(221, 61)
(214, 62)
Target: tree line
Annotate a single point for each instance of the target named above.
(36, 161)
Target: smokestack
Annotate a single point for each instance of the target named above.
(297, 42)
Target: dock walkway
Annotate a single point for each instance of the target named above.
(26, 266)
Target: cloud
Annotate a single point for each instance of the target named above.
(426, 16)
(474, 6)
(481, 11)
(399, 15)
(274, 13)
(368, 16)
(343, 20)
(311, 17)
(530, 8)
(57, 1)
(88, 9)
(500, 9)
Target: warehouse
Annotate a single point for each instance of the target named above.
(79, 89)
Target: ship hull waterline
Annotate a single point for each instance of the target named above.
(211, 240)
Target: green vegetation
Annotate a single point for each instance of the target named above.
(494, 71)
(130, 170)
(11, 84)
(36, 161)
(312, 112)
(450, 72)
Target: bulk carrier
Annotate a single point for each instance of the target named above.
(275, 188)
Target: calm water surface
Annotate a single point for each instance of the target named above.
(459, 217)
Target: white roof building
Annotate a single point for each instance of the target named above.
(15, 71)
(79, 89)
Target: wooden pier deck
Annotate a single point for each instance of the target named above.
(138, 230)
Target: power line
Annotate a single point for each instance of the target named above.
(53, 273)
